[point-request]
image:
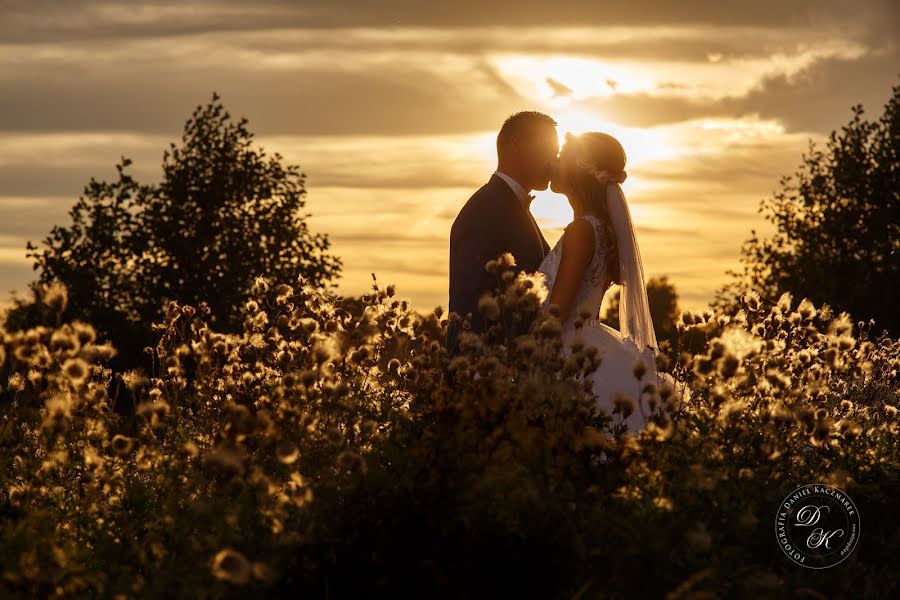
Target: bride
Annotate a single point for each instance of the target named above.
(598, 249)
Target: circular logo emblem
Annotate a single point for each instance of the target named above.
(817, 526)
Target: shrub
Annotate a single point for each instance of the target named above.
(326, 453)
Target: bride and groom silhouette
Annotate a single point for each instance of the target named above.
(597, 249)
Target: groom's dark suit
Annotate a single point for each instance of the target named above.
(493, 221)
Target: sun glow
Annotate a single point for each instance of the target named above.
(641, 144)
(559, 80)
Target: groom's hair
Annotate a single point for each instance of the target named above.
(522, 123)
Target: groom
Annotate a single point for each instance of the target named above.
(497, 219)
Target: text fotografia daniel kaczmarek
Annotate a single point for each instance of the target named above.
(817, 526)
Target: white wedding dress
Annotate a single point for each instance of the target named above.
(619, 353)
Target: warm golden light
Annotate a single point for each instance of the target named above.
(396, 125)
(563, 79)
(641, 144)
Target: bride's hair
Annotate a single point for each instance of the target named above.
(602, 152)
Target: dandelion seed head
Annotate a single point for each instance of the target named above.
(639, 369)
(457, 363)
(122, 444)
(308, 378)
(703, 366)
(488, 306)
(506, 261)
(260, 284)
(577, 344)
(624, 404)
(283, 291)
(840, 325)
(849, 429)
(16, 383)
(533, 288)
(361, 354)
(35, 377)
(752, 300)
(134, 380)
(550, 328)
(324, 350)
(845, 342)
(56, 296)
(728, 366)
(784, 302)
(334, 436)
(76, 369)
(64, 340)
(157, 406)
(240, 418)
(370, 427)
(190, 449)
(739, 341)
(261, 319)
(225, 459)
(231, 566)
(287, 452)
(806, 309)
(663, 503)
(732, 407)
(350, 459)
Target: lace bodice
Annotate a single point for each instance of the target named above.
(595, 281)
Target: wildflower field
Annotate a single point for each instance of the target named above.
(323, 454)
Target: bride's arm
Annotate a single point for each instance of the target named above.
(578, 248)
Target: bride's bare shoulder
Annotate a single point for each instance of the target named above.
(580, 227)
(579, 234)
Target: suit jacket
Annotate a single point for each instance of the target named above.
(491, 222)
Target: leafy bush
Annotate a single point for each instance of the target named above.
(323, 453)
(223, 213)
(662, 300)
(837, 226)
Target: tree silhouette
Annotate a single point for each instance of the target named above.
(837, 220)
(663, 301)
(223, 214)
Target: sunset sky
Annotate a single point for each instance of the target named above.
(392, 109)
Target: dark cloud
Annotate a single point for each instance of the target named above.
(31, 218)
(820, 97)
(816, 99)
(44, 19)
(23, 220)
(21, 274)
(645, 110)
(43, 180)
(152, 88)
(559, 89)
(157, 97)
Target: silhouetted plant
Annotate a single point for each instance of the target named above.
(320, 453)
(837, 221)
(223, 214)
(663, 301)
